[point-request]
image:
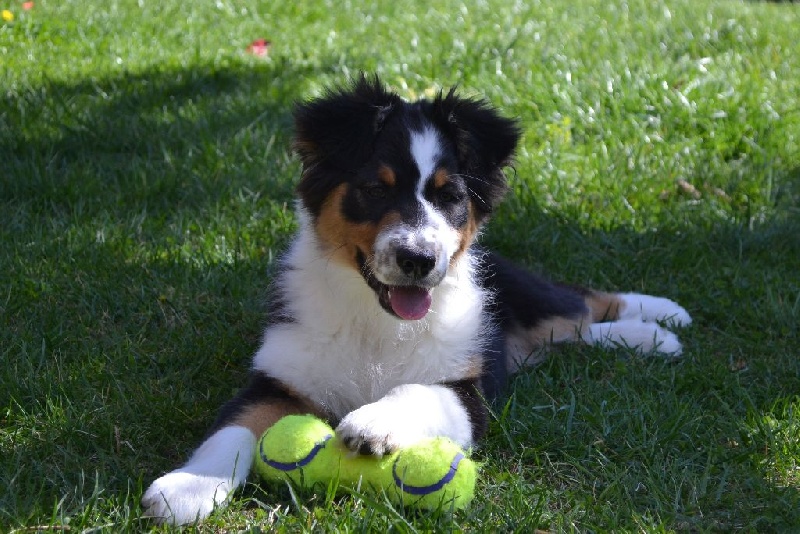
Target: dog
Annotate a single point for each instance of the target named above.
(386, 318)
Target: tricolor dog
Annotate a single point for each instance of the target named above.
(386, 318)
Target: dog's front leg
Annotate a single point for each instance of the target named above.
(222, 462)
(216, 468)
(412, 412)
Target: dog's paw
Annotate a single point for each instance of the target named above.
(179, 498)
(375, 429)
(654, 309)
(634, 334)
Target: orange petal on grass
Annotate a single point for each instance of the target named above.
(27, 6)
(259, 47)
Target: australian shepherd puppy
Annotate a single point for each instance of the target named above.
(386, 318)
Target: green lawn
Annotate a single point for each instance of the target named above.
(145, 191)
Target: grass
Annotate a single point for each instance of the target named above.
(145, 190)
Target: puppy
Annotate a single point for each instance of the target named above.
(386, 318)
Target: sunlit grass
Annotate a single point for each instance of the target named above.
(146, 189)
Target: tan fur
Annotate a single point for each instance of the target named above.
(468, 233)
(387, 176)
(344, 238)
(259, 417)
(475, 369)
(604, 306)
(524, 346)
(440, 177)
(556, 329)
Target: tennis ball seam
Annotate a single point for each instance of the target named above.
(302, 462)
(430, 488)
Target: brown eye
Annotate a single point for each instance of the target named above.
(447, 195)
(374, 191)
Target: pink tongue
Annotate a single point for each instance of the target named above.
(410, 303)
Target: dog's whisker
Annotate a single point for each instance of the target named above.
(471, 177)
(476, 194)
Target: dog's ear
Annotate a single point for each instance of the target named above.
(335, 134)
(485, 143)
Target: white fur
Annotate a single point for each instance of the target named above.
(425, 149)
(435, 236)
(347, 355)
(216, 468)
(344, 351)
(650, 308)
(633, 333)
(377, 373)
(406, 415)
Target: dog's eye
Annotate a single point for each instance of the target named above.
(375, 191)
(446, 195)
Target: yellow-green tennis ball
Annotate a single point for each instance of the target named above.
(434, 473)
(430, 474)
(298, 447)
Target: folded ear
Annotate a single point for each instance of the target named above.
(337, 129)
(485, 143)
(334, 134)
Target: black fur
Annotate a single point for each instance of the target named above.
(371, 156)
(484, 144)
(471, 395)
(494, 376)
(277, 306)
(348, 134)
(260, 389)
(344, 135)
(522, 298)
(359, 111)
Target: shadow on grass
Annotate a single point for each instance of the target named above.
(112, 333)
(158, 138)
(701, 443)
(124, 345)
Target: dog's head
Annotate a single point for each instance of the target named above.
(398, 190)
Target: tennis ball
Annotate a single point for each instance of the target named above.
(432, 473)
(429, 474)
(297, 447)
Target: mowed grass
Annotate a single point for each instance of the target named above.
(146, 189)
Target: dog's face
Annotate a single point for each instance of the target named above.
(399, 190)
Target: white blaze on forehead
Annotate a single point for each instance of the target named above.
(425, 149)
(432, 233)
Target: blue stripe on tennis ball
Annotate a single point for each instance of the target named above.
(288, 466)
(427, 490)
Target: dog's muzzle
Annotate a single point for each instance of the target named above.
(407, 264)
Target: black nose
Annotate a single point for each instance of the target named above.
(415, 263)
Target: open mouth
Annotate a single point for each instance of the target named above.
(410, 303)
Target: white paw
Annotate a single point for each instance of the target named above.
(377, 429)
(180, 498)
(654, 309)
(635, 334)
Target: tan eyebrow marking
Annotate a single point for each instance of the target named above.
(386, 175)
(440, 178)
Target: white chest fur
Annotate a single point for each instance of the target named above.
(343, 350)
